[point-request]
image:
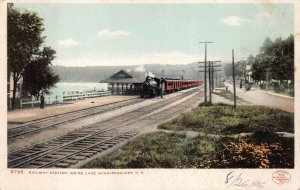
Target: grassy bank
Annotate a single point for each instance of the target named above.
(157, 150)
(275, 88)
(162, 150)
(262, 149)
(223, 119)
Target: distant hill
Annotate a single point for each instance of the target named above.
(85, 74)
(98, 73)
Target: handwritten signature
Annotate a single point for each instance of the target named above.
(238, 180)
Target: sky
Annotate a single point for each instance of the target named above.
(137, 34)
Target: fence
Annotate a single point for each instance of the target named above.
(66, 98)
(85, 95)
(28, 101)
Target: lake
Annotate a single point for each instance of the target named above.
(67, 88)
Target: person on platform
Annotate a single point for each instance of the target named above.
(42, 101)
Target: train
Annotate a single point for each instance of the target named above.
(153, 86)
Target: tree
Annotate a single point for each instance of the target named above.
(23, 41)
(259, 68)
(288, 50)
(228, 70)
(267, 46)
(250, 60)
(38, 76)
(238, 69)
(275, 60)
(283, 59)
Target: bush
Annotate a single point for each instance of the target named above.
(276, 86)
(263, 86)
(260, 136)
(247, 153)
(248, 86)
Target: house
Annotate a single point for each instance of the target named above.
(10, 87)
(248, 74)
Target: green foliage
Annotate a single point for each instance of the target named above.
(158, 150)
(275, 60)
(24, 40)
(259, 67)
(162, 150)
(223, 119)
(239, 69)
(274, 86)
(263, 149)
(38, 75)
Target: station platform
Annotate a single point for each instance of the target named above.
(30, 114)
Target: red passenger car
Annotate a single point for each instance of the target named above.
(152, 86)
(175, 85)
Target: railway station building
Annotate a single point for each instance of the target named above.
(248, 74)
(125, 82)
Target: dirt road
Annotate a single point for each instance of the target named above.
(261, 98)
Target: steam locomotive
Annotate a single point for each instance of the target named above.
(151, 87)
(154, 86)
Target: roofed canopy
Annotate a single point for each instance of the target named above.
(126, 77)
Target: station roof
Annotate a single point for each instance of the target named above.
(126, 77)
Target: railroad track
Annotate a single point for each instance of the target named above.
(52, 121)
(69, 149)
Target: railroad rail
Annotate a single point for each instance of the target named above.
(52, 121)
(69, 149)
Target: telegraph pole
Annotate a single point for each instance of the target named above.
(216, 79)
(233, 77)
(212, 77)
(212, 72)
(205, 65)
(209, 81)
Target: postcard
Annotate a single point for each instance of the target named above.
(171, 94)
